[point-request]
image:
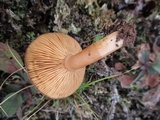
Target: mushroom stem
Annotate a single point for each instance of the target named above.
(94, 52)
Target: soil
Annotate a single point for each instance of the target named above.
(22, 21)
(128, 34)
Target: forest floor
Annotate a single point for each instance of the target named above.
(134, 95)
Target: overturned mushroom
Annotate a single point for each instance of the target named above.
(56, 63)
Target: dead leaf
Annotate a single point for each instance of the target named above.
(119, 66)
(152, 80)
(7, 62)
(126, 80)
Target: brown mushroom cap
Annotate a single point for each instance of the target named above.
(44, 61)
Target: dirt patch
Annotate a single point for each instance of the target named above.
(128, 33)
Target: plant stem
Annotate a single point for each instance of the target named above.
(15, 93)
(38, 109)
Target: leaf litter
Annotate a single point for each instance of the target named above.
(84, 20)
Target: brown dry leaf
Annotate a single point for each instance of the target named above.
(119, 66)
(151, 97)
(152, 80)
(126, 80)
(148, 80)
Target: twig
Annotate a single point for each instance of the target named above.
(115, 99)
(57, 115)
(38, 109)
(42, 99)
(9, 77)
(4, 111)
(94, 113)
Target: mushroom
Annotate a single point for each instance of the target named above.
(56, 63)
